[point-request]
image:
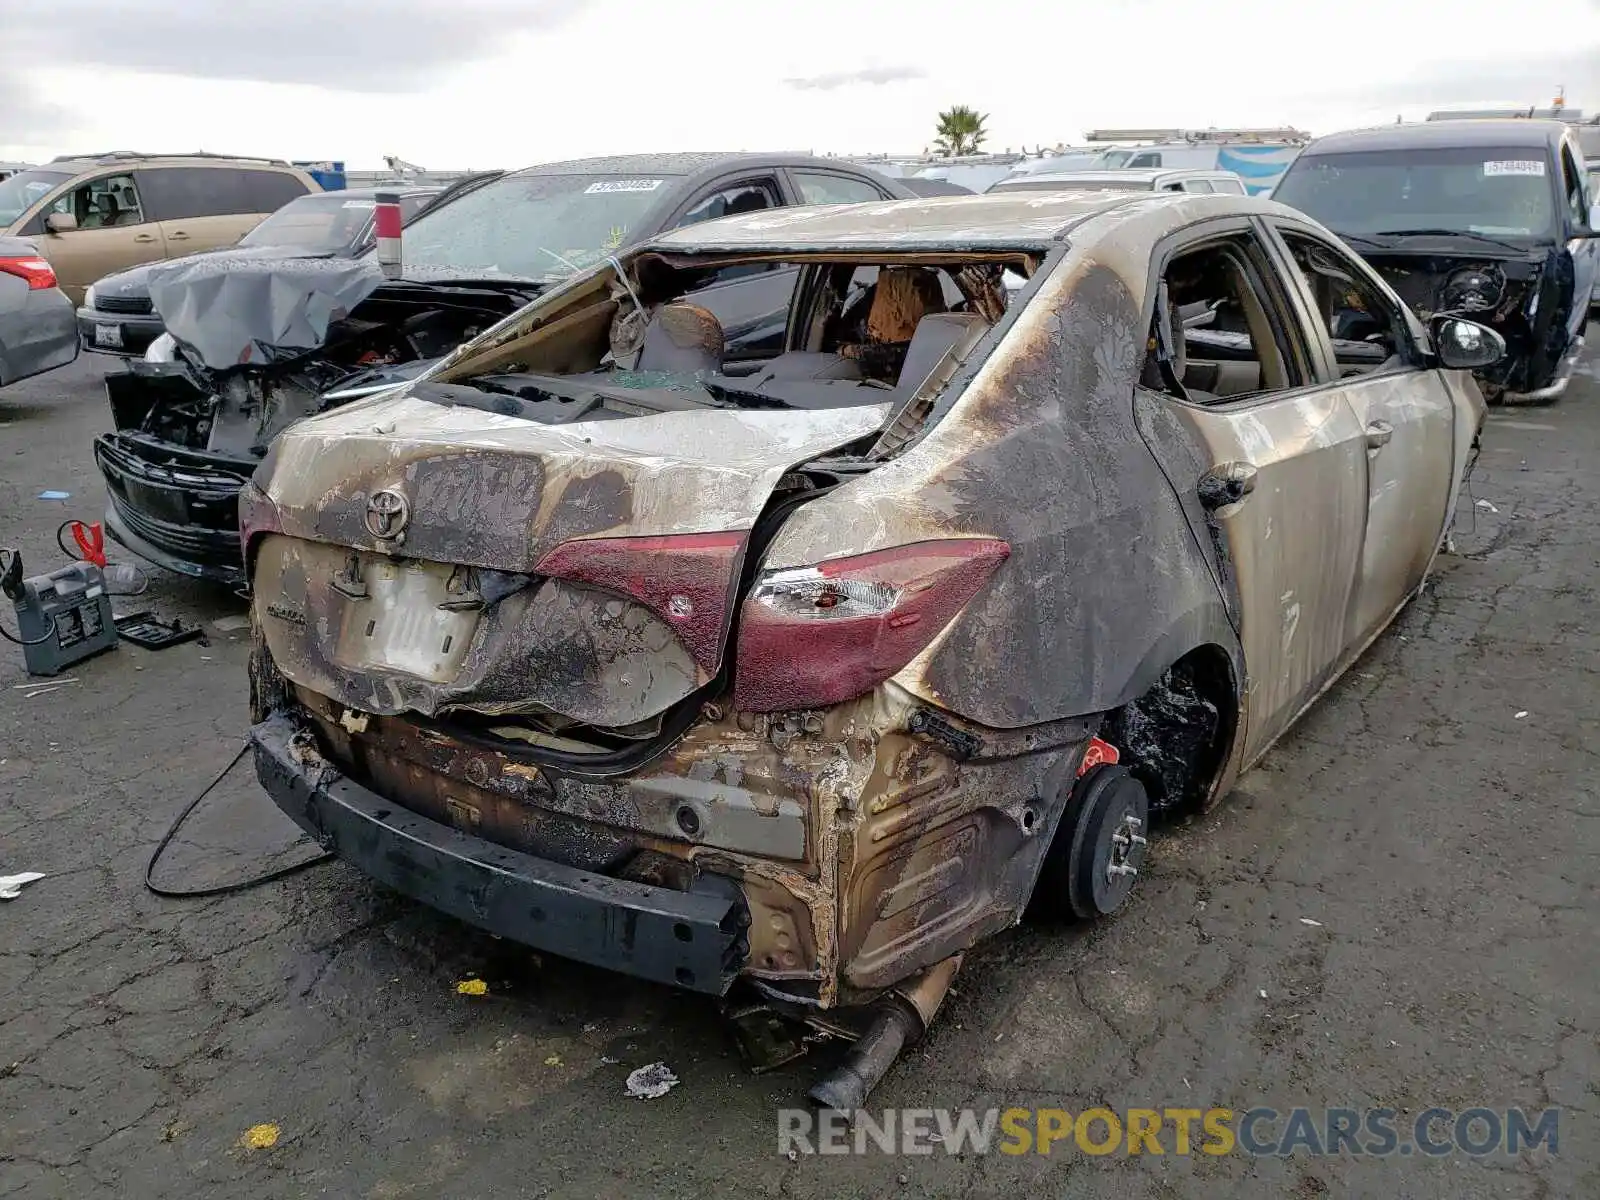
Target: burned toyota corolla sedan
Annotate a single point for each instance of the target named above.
(810, 674)
(1483, 219)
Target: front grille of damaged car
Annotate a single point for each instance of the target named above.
(192, 512)
(127, 460)
(186, 542)
(130, 305)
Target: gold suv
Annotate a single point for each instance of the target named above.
(102, 213)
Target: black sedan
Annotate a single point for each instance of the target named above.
(117, 316)
(272, 340)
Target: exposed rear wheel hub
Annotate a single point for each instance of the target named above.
(1107, 819)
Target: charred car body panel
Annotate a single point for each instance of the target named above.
(266, 339)
(595, 643)
(1482, 219)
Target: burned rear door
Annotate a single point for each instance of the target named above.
(1407, 413)
(1270, 465)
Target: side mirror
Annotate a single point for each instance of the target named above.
(61, 223)
(1466, 345)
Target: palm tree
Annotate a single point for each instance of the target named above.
(960, 131)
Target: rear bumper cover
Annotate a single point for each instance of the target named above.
(36, 332)
(690, 940)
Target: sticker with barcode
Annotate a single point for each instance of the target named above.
(1514, 166)
(624, 185)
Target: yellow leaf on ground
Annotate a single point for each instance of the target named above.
(472, 987)
(261, 1137)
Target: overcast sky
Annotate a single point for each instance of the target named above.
(451, 84)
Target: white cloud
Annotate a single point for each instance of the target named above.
(473, 85)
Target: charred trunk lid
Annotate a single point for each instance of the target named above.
(431, 559)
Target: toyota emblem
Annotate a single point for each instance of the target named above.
(387, 514)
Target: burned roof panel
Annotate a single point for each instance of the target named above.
(1006, 222)
(1016, 220)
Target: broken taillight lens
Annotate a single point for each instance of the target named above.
(37, 271)
(257, 514)
(685, 579)
(814, 636)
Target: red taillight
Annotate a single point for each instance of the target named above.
(813, 636)
(685, 579)
(37, 271)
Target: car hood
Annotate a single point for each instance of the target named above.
(135, 281)
(623, 542)
(258, 308)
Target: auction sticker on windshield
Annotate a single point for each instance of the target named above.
(1515, 166)
(624, 185)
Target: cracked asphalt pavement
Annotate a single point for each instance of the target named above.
(1436, 814)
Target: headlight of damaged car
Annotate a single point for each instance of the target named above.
(1473, 289)
(88, 296)
(162, 350)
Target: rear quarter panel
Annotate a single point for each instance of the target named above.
(38, 330)
(1106, 584)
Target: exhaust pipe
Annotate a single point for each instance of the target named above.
(902, 1017)
(386, 227)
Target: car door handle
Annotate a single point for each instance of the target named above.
(1226, 484)
(180, 236)
(1378, 434)
(144, 237)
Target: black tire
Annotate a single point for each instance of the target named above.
(1075, 881)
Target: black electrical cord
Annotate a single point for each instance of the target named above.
(225, 889)
(65, 549)
(49, 633)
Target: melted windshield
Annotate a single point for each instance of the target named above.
(19, 193)
(540, 227)
(1478, 190)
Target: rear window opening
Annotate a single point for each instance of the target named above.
(751, 333)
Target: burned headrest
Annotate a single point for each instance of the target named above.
(900, 299)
